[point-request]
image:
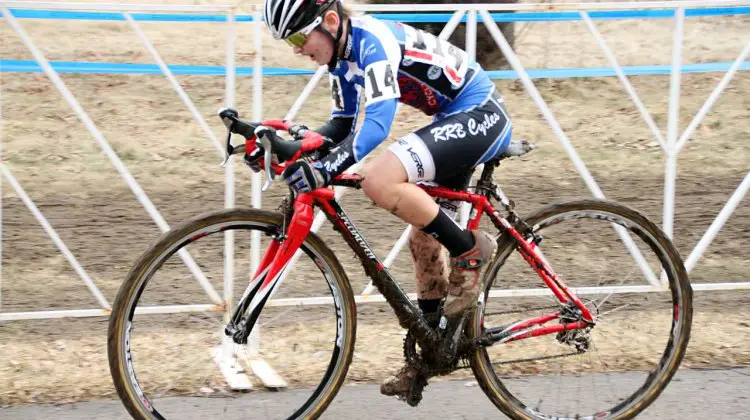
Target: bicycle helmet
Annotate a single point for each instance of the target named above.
(286, 18)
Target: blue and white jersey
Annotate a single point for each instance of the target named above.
(394, 62)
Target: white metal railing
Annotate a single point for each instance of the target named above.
(223, 355)
(672, 144)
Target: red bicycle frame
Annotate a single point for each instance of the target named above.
(281, 250)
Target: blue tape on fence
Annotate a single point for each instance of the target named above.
(153, 17)
(566, 16)
(28, 66)
(607, 71)
(401, 17)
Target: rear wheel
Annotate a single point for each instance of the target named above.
(616, 368)
(161, 346)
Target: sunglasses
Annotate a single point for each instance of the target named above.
(299, 38)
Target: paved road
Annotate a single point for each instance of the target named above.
(693, 394)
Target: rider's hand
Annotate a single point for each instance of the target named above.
(252, 158)
(304, 177)
(298, 131)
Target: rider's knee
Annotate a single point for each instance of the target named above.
(377, 189)
(382, 179)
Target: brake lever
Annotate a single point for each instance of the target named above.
(228, 117)
(228, 150)
(262, 140)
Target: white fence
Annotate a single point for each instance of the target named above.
(672, 144)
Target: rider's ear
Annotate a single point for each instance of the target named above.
(331, 21)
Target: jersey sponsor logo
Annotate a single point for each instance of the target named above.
(417, 161)
(418, 95)
(367, 52)
(447, 132)
(434, 72)
(334, 166)
(482, 127)
(348, 49)
(406, 62)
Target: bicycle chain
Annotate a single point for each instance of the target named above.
(415, 359)
(531, 359)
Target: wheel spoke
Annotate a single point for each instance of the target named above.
(177, 354)
(581, 247)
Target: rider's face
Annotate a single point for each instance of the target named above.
(318, 47)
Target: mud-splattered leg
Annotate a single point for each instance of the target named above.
(430, 265)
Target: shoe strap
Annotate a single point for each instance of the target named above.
(469, 263)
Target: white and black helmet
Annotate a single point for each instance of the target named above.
(286, 17)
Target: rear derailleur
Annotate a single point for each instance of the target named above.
(578, 339)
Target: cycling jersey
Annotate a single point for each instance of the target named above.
(394, 62)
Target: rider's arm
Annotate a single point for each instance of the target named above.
(380, 63)
(337, 128)
(345, 107)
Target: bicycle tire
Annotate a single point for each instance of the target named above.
(680, 289)
(123, 374)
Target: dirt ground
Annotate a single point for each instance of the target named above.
(62, 168)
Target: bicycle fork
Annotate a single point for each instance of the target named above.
(268, 274)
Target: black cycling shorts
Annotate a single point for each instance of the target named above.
(447, 151)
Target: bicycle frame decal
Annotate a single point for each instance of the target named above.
(347, 223)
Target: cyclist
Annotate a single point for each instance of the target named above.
(391, 62)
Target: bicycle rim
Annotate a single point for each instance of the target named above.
(154, 357)
(618, 367)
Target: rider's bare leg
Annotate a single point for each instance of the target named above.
(387, 184)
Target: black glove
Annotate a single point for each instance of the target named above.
(303, 177)
(252, 159)
(298, 131)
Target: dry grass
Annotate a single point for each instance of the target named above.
(37, 370)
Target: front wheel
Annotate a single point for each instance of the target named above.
(633, 281)
(163, 336)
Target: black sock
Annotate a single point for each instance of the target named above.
(428, 306)
(448, 233)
